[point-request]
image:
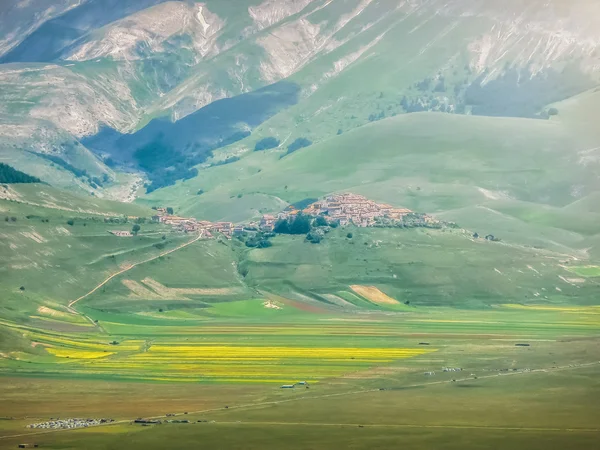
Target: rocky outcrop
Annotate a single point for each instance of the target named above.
(271, 12)
(158, 29)
(19, 18)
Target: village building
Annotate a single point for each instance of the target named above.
(225, 228)
(267, 223)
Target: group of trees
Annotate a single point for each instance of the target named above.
(314, 228)
(259, 240)
(9, 174)
(299, 143)
(299, 224)
(272, 142)
(267, 143)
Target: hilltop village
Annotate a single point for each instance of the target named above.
(338, 210)
(345, 209)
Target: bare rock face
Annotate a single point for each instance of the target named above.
(157, 58)
(74, 103)
(293, 44)
(271, 12)
(19, 18)
(151, 30)
(536, 36)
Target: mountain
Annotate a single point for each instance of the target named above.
(97, 88)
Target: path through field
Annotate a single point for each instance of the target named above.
(128, 268)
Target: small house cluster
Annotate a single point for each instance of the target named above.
(345, 209)
(192, 225)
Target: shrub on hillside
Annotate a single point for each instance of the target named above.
(267, 144)
(314, 237)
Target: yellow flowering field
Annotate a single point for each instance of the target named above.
(77, 354)
(239, 363)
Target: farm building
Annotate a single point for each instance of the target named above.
(121, 233)
(287, 386)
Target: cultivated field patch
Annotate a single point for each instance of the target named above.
(585, 271)
(374, 295)
(140, 292)
(167, 292)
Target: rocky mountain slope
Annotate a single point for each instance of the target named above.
(74, 69)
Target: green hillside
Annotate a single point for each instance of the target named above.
(515, 178)
(56, 246)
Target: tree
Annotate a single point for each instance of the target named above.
(476, 236)
(314, 238)
(300, 225)
(135, 229)
(282, 227)
(320, 222)
(264, 243)
(169, 211)
(70, 222)
(553, 112)
(349, 235)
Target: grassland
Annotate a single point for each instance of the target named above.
(519, 179)
(215, 328)
(228, 371)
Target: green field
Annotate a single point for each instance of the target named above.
(228, 370)
(215, 328)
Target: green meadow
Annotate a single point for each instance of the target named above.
(214, 329)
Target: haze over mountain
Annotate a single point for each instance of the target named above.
(72, 69)
(107, 96)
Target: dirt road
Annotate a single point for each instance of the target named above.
(197, 238)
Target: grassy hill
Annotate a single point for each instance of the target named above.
(425, 268)
(515, 178)
(56, 246)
